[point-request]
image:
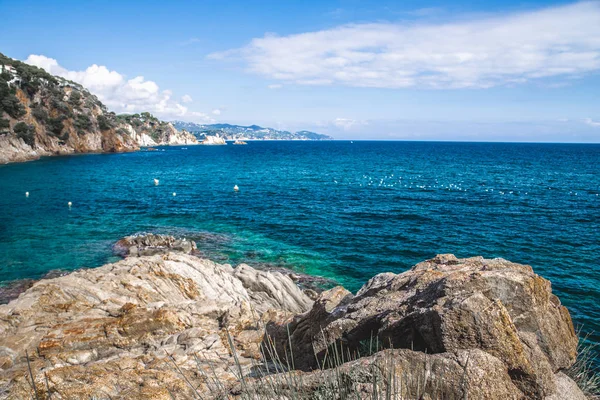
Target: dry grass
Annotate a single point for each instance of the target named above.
(273, 377)
(585, 370)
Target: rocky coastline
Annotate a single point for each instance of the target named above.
(44, 115)
(164, 323)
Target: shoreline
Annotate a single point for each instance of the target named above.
(74, 153)
(161, 298)
(12, 289)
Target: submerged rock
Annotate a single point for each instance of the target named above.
(12, 289)
(311, 284)
(148, 244)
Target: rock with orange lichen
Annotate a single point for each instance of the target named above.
(156, 327)
(119, 328)
(446, 305)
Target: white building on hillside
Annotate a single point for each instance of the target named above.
(16, 79)
(8, 68)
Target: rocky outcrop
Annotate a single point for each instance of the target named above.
(42, 115)
(213, 141)
(148, 130)
(149, 244)
(107, 331)
(171, 325)
(444, 307)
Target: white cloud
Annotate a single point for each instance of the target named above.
(591, 122)
(275, 86)
(345, 123)
(186, 98)
(478, 53)
(216, 111)
(120, 94)
(189, 41)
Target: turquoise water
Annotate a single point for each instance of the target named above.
(338, 209)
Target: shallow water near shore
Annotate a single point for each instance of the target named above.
(341, 210)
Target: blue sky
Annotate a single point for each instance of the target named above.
(416, 70)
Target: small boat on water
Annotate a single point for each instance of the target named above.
(239, 142)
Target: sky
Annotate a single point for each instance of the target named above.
(385, 70)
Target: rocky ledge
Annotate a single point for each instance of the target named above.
(149, 244)
(173, 325)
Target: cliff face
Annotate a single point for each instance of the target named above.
(41, 115)
(150, 131)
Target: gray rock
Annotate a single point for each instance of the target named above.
(272, 289)
(447, 305)
(566, 389)
(474, 328)
(149, 244)
(109, 329)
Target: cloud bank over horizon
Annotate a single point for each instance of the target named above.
(123, 95)
(560, 43)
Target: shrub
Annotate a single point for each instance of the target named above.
(61, 106)
(39, 113)
(75, 98)
(83, 123)
(105, 123)
(4, 125)
(27, 72)
(55, 125)
(25, 132)
(9, 102)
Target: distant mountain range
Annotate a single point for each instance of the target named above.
(252, 132)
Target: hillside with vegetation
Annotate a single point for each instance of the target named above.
(42, 114)
(252, 132)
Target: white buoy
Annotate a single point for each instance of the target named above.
(174, 194)
(236, 188)
(70, 204)
(26, 194)
(156, 181)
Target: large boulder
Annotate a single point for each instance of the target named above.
(406, 374)
(445, 306)
(119, 330)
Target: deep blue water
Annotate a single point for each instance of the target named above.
(338, 209)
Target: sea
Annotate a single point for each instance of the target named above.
(338, 209)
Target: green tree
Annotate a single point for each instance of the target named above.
(39, 113)
(9, 103)
(105, 123)
(25, 132)
(83, 123)
(75, 98)
(4, 125)
(55, 125)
